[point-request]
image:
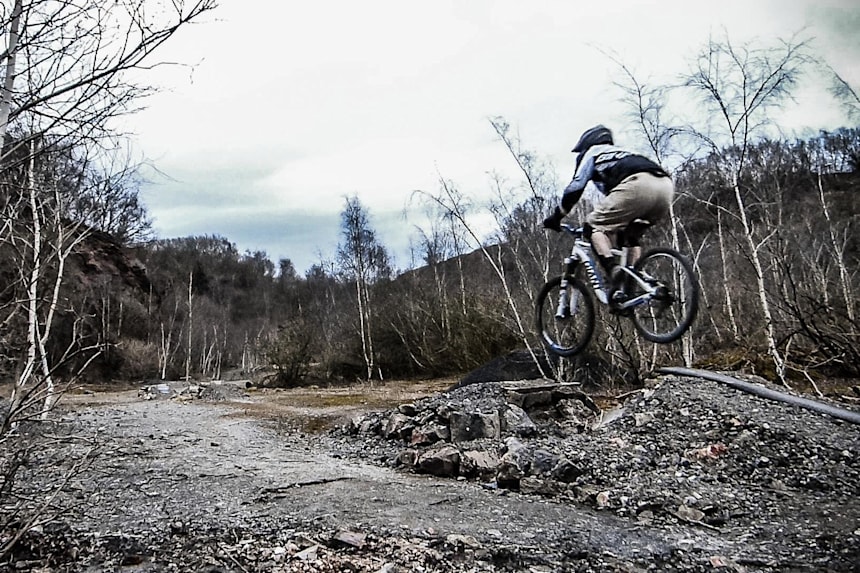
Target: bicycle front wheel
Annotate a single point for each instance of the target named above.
(666, 315)
(565, 317)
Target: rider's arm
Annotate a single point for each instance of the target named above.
(573, 191)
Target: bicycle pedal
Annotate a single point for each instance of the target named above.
(618, 297)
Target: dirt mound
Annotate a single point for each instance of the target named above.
(684, 451)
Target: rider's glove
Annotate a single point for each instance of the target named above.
(553, 222)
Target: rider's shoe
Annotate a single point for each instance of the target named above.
(617, 294)
(616, 289)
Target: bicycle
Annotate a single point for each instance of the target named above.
(660, 293)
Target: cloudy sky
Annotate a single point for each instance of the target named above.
(290, 106)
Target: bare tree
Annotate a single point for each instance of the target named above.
(647, 108)
(741, 84)
(68, 65)
(363, 261)
(107, 196)
(67, 69)
(846, 94)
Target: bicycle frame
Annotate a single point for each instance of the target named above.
(583, 252)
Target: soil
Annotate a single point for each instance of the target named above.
(684, 475)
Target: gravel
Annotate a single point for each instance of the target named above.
(684, 475)
(779, 481)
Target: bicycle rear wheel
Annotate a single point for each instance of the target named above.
(565, 320)
(667, 315)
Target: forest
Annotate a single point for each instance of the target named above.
(87, 293)
(355, 318)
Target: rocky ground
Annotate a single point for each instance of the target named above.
(684, 475)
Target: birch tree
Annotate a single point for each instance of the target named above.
(740, 85)
(363, 261)
(68, 68)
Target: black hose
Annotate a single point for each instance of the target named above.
(759, 390)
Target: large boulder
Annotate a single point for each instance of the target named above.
(468, 426)
(443, 461)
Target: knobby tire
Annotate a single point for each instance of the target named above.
(667, 322)
(567, 336)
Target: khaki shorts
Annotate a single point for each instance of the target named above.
(640, 196)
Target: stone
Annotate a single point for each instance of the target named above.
(466, 426)
(514, 464)
(458, 540)
(407, 458)
(351, 538)
(536, 400)
(443, 461)
(429, 434)
(689, 513)
(368, 427)
(566, 471)
(534, 485)
(516, 421)
(710, 451)
(309, 554)
(397, 425)
(407, 409)
(574, 410)
(602, 499)
(478, 463)
(444, 412)
(543, 461)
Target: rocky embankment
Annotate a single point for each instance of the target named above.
(781, 481)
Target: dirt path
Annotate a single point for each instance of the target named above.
(172, 469)
(240, 485)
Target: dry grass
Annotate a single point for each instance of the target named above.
(319, 409)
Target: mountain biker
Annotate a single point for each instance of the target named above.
(635, 188)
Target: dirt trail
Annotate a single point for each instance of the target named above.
(197, 466)
(241, 485)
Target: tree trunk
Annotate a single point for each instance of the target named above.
(726, 290)
(190, 310)
(838, 255)
(9, 80)
(755, 258)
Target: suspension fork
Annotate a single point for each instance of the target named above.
(568, 271)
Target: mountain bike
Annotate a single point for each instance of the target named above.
(660, 293)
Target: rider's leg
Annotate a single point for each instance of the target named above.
(633, 255)
(642, 195)
(602, 243)
(629, 200)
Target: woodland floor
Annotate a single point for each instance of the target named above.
(686, 476)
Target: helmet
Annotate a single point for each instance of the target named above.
(594, 136)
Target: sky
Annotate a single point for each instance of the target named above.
(283, 109)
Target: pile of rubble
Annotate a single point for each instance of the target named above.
(478, 431)
(214, 391)
(683, 451)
